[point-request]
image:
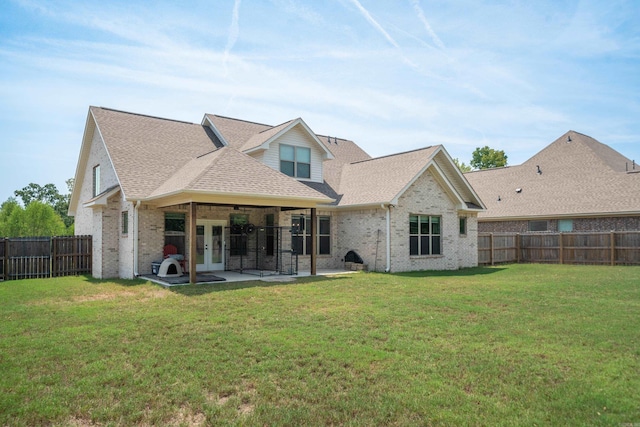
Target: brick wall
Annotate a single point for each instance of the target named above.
(626, 223)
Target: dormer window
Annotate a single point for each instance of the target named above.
(295, 161)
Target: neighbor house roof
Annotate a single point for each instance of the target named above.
(578, 176)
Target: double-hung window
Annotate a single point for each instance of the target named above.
(295, 161)
(425, 236)
(301, 234)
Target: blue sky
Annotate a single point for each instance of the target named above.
(392, 76)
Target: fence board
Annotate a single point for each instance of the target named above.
(40, 257)
(614, 248)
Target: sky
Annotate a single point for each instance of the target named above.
(390, 75)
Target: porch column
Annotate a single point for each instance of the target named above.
(314, 240)
(193, 213)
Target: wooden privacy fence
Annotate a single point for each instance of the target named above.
(40, 257)
(612, 248)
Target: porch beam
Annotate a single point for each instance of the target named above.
(314, 240)
(193, 218)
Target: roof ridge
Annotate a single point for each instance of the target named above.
(395, 154)
(240, 120)
(147, 115)
(276, 126)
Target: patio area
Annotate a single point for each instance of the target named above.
(233, 276)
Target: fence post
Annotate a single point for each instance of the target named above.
(561, 244)
(518, 248)
(5, 268)
(491, 246)
(612, 237)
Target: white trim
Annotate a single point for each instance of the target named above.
(265, 145)
(214, 129)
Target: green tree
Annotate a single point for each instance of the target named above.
(462, 166)
(6, 209)
(42, 220)
(48, 194)
(485, 158)
(37, 219)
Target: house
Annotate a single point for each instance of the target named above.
(574, 184)
(231, 194)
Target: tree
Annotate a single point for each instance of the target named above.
(37, 219)
(463, 168)
(485, 158)
(48, 194)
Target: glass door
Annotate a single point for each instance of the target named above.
(210, 245)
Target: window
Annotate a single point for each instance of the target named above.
(125, 222)
(538, 226)
(174, 230)
(463, 225)
(96, 180)
(301, 239)
(565, 225)
(237, 238)
(295, 161)
(424, 235)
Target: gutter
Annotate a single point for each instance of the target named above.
(135, 239)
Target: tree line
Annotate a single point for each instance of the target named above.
(37, 211)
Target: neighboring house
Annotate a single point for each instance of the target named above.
(242, 196)
(574, 184)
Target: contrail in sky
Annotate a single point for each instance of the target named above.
(373, 22)
(234, 30)
(427, 26)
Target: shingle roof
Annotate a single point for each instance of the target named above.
(153, 157)
(235, 131)
(344, 152)
(382, 179)
(146, 150)
(579, 176)
(228, 171)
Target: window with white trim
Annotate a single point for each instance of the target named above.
(295, 161)
(425, 235)
(96, 180)
(301, 234)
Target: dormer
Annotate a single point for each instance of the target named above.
(291, 147)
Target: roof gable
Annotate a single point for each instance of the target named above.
(384, 179)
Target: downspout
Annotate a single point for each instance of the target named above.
(135, 239)
(388, 269)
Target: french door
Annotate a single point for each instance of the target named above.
(210, 245)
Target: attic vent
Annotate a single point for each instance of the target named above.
(568, 138)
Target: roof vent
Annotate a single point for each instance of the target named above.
(518, 190)
(568, 138)
(499, 199)
(539, 171)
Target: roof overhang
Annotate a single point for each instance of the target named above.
(103, 198)
(184, 197)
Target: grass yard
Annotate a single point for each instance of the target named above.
(512, 345)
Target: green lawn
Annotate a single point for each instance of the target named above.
(513, 345)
